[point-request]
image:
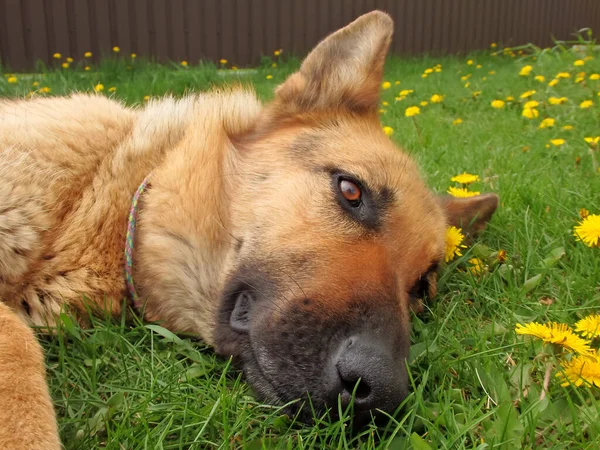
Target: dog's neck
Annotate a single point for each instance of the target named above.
(183, 239)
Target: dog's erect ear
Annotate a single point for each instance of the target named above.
(471, 214)
(344, 71)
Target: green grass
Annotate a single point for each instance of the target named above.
(476, 385)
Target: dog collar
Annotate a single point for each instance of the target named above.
(130, 239)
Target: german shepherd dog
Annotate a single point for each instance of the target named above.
(294, 236)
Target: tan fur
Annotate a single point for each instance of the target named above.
(69, 168)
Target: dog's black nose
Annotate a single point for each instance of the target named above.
(369, 368)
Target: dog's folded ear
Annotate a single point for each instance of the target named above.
(471, 214)
(345, 70)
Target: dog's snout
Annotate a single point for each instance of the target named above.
(366, 367)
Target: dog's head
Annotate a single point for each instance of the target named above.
(339, 238)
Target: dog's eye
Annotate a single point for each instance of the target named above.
(350, 191)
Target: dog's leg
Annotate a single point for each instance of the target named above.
(27, 420)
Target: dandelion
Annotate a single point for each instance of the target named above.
(424, 103)
(525, 71)
(87, 55)
(461, 192)
(234, 68)
(146, 98)
(493, 45)
(99, 87)
(405, 92)
(470, 62)
(274, 65)
(528, 94)
(588, 230)
(276, 53)
(540, 78)
(223, 61)
(595, 76)
(548, 122)
(477, 266)
(12, 80)
(498, 104)
(428, 71)
(589, 327)
(502, 256)
(568, 127)
(412, 111)
(465, 178)
(388, 130)
(454, 239)
(45, 90)
(269, 77)
(478, 66)
(396, 83)
(579, 370)
(579, 63)
(556, 333)
(466, 77)
(437, 98)
(510, 98)
(386, 85)
(553, 83)
(116, 49)
(557, 142)
(586, 104)
(35, 83)
(112, 89)
(457, 121)
(592, 141)
(424, 75)
(530, 113)
(133, 56)
(531, 104)
(65, 65)
(557, 100)
(492, 72)
(563, 75)
(87, 68)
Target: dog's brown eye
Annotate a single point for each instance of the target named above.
(350, 191)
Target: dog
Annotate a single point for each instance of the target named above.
(294, 236)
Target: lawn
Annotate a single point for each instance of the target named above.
(476, 383)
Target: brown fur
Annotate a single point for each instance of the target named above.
(232, 183)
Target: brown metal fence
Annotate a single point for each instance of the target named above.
(243, 30)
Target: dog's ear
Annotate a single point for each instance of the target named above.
(345, 70)
(471, 214)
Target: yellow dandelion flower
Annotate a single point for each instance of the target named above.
(528, 94)
(553, 83)
(454, 239)
(502, 256)
(87, 68)
(99, 87)
(557, 142)
(531, 104)
(465, 178)
(525, 71)
(65, 65)
(579, 63)
(69, 59)
(530, 113)
(57, 56)
(112, 89)
(274, 65)
(388, 130)
(595, 76)
(478, 66)
(510, 98)
(556, 333)
(470, 62)
(424, 103)
(589, 327)
(586, 104)
(547, 123)
(540, 78)
(477, 266)
(493, 45)
(437, 69)
(476, 94)
(461, 192)
(437, 98)
(466, 77)
(385, 104)
(184, 63)
(492, 72)
(87, 55)
(223, 61)
(498, 104)
(405, 92)
(116, 49)
(412, 111)
(234, 68)
(269, 77)
(568, 127)
(557, 100)
(133, 56)
(12, 80)
(592, 141)
(457, 121)
(35, 83)
(563, 75)
(396, 83)
(428, 71)
(386, 85)
(588, 230)
(277, 52)
(45, 90)
(580, 370)
(146, 98)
